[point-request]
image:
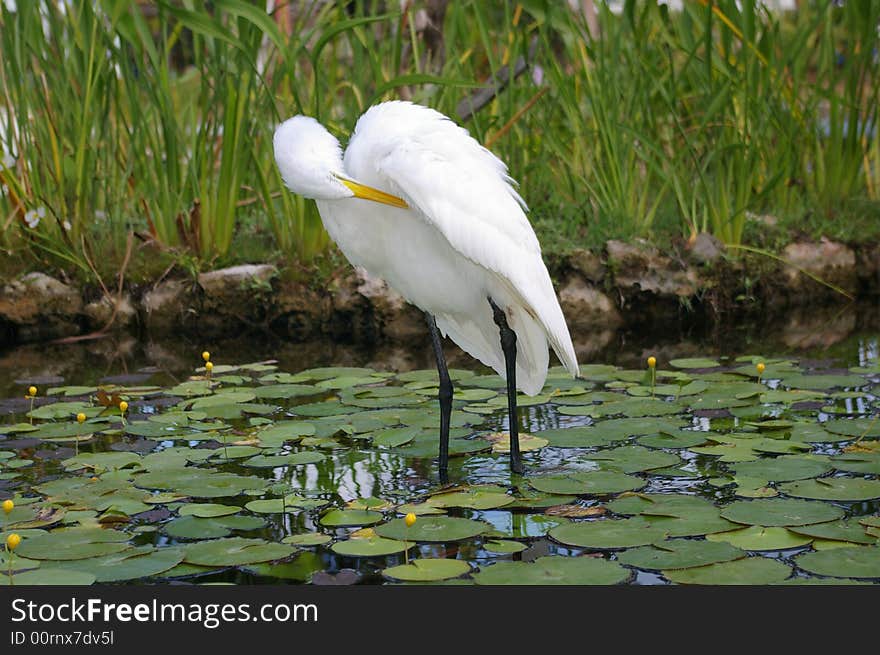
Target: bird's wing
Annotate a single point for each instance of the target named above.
(464, 191)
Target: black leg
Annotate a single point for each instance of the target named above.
(508, 347)
(444, 395)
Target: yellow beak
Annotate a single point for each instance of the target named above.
(369, 193)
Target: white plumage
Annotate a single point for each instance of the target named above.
(462, 238)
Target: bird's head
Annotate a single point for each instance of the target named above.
(310, 161)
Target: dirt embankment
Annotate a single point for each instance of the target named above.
(627, 285)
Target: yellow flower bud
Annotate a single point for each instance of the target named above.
(209, 366)
(760, 368)
(206, 355)
(409, 519)
(12, 541)
(32, 391)
(123, 406)
(80, 418)
(8, 506)
(652, 362)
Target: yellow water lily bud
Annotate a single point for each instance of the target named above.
(80, 418)
(12, 541)
(760, 368)
(209, 366)
(8, 506)
(652, 362)
(206, 355)
(32, 391)
(123, 406)
(409, 519)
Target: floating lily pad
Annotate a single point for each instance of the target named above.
(234, 551)
(73, 544)
(854, 562)
(748, 571)
(780, 512)
(347, 517)
(850, 531)
(680, 554)
(781, 469)
(131, 564)
(515, 525)
(504, 546)
(834, 489)
(432, 529)
(207, 510)
(609, 533)
(694, 362)
(427, 570)
(634, 459)
(588, 482)
(49, 576)
(757, 537)
(307, 539)
(554, 570)
(301, 568)
(374, 546)
(473, 498)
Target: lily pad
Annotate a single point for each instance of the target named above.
(234, 551)
(834, 489)
(73, 544)
(781, 469)
(850, 531)
(504, 546)
(49, 576)
(374, 546)
(780, 512)
(554, 570)
(473, 498)
(428, 570)
(131, 564)
(854, 562)
(680, 554)
(757, 537)
(609, 534)
(748, 571)
(588, 482)
(347, 517)
(433, 529)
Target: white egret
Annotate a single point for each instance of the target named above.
(418, 202)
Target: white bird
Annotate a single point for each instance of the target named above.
(420, 203)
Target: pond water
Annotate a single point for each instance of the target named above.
(296, 462)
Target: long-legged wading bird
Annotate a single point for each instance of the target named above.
(418, 202)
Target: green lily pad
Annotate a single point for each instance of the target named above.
(473, 498)
(131, 564)
(433, 529)
(854, 562)
(588, 482)
(609, 534)
(300, 568)
(781, 469)
(857, 462)
(234, 551)
(554, 570)
(307, 539)
(207, 510)
(291, 503)
(680, 554)
(427, 570)
(833, 489)
(348, 517)
(634, 459)
(370, 547)
(780, 512)
(757, 537)
(504, 546)
(675, 438)
(748, 571)
(49, 576)
(516, 525)
(850, 531)
(73, 544)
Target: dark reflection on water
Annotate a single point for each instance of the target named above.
(844, 339)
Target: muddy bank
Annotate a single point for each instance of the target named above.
(626, 286)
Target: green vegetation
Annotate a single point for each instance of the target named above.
(710, 471)
(661, 124)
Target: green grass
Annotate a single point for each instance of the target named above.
(660, 125)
